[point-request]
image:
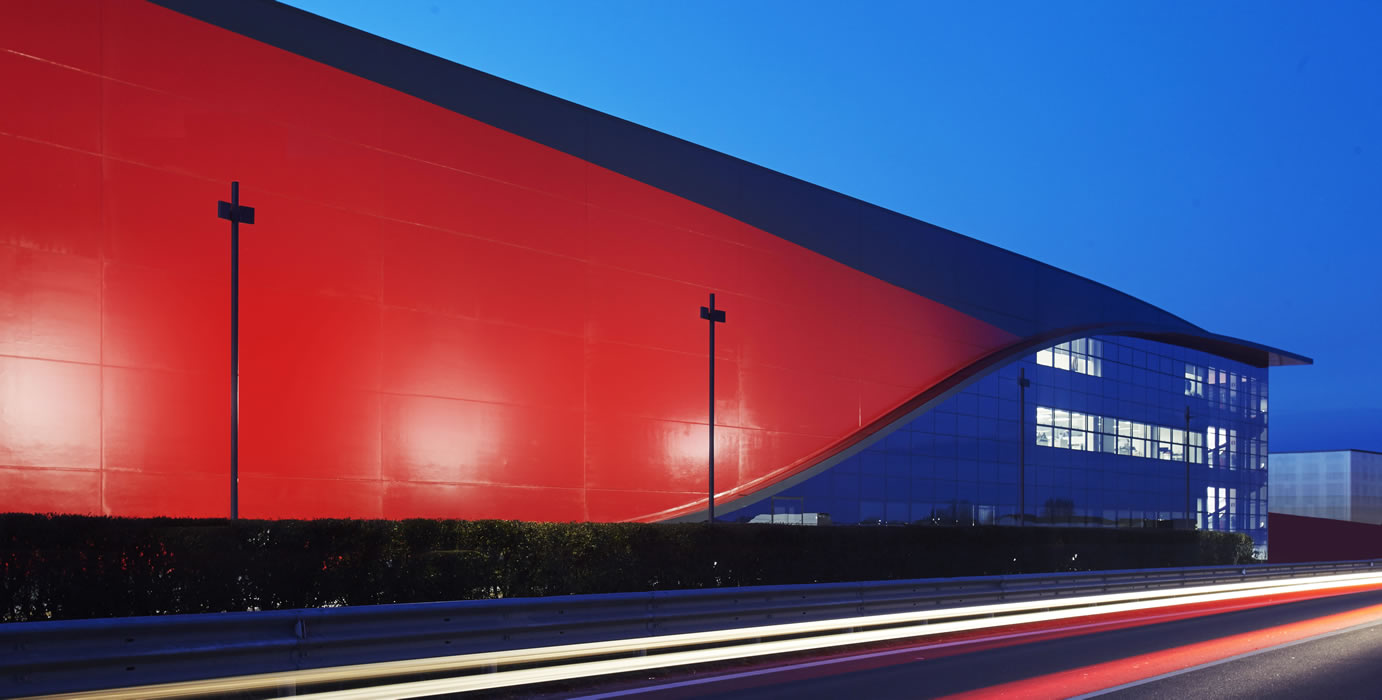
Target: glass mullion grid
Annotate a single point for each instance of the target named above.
(1081, 355)
(1073, 430)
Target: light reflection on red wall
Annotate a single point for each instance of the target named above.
(439, 318)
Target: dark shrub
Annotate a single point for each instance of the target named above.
(63, 567)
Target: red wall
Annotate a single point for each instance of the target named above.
(1298, 538)
(439, 318)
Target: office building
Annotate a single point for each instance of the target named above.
(459, 297)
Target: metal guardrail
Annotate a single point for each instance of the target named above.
(65, 656)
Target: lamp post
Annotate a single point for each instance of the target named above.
(1189, 516)
(714, 316)
(237, 214)
(1022, 383)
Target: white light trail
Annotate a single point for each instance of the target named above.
(924, 623)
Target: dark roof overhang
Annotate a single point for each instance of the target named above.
(1025, 297)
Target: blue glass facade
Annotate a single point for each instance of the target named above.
(1101, 429)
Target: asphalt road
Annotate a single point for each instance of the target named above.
(1343, 665)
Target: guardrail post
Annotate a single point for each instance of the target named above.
(300, 631)
(290, 689)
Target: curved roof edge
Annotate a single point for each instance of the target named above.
(751, 493)
(1020, 295)
(1247, 352)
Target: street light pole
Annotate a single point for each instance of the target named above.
(1022, 383)
(714, 316)
(1189, 516)
(237, 214)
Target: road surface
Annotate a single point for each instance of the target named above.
(1323, 647)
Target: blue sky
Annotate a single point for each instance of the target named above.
(1221, 160)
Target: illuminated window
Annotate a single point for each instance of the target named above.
(1082, 355)
(1194, 380)
(1072, 430)
(1222, 444)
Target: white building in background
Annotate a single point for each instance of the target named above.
(1335, 484)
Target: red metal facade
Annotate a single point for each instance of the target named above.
(1300, 538)
(439, 318)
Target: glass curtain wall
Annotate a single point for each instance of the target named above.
(1107, 444)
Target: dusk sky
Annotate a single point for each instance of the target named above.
(1220, 160)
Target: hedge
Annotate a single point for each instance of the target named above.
(64, 567)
